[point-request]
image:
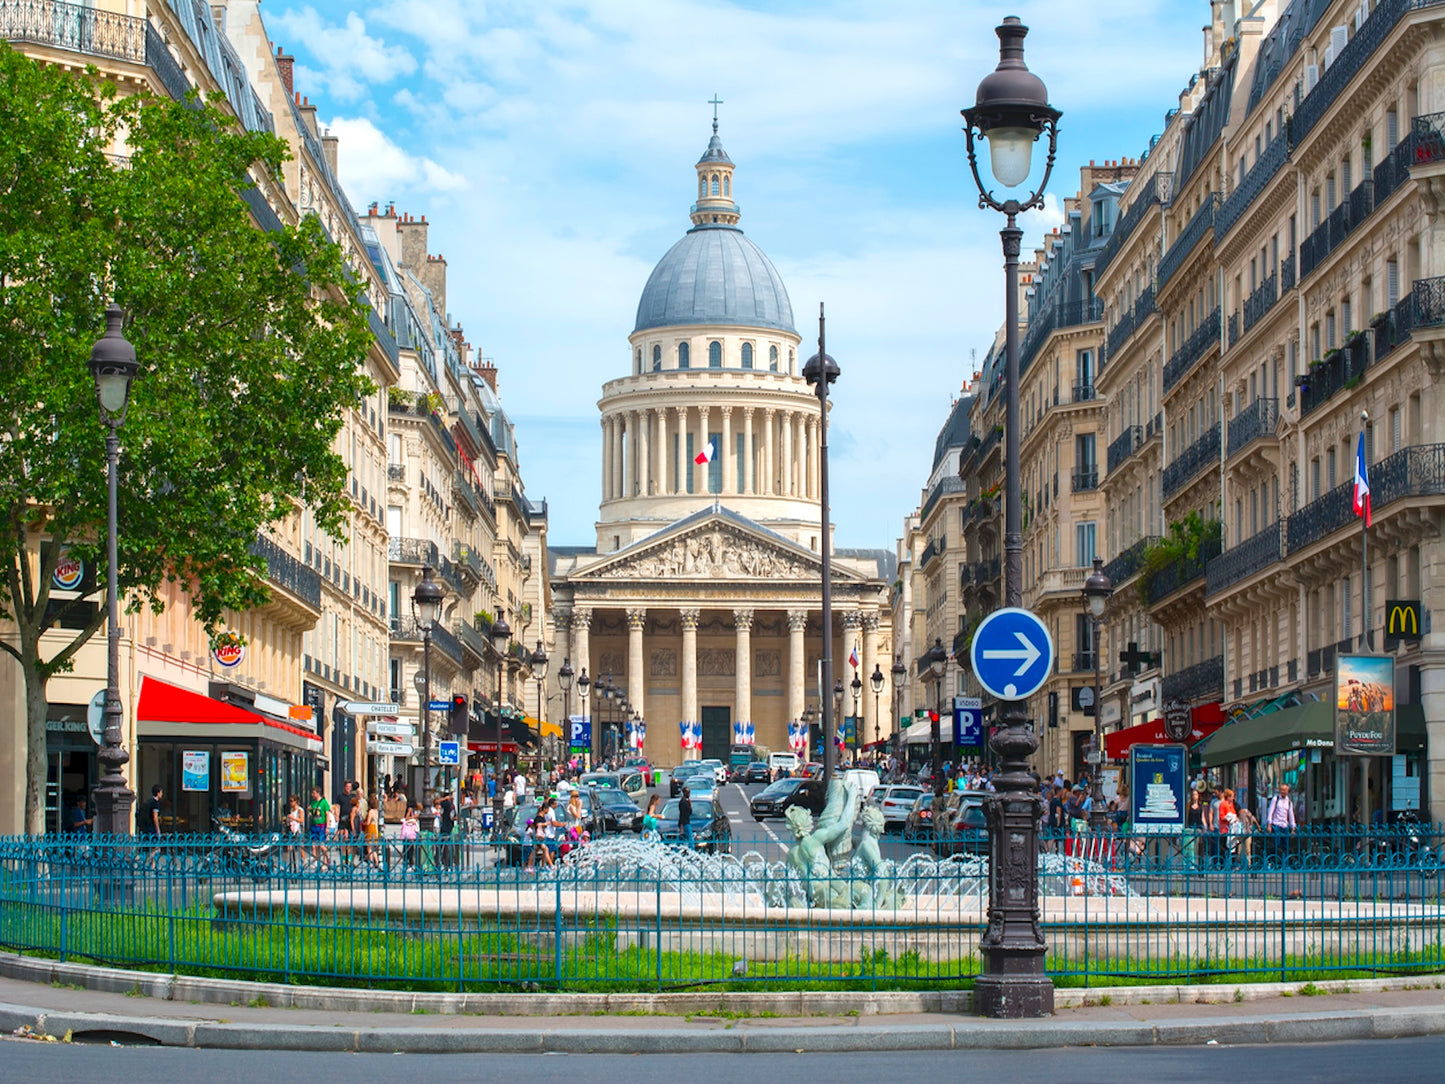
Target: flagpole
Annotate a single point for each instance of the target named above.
(1365, 614)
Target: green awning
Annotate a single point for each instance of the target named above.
(1304, 726)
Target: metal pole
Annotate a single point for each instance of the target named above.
(830, 753)
(1098, 821)
(426, 714)
(1366, 617)
(937, 738)
(113, 800)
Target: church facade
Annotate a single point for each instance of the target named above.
(702, 596)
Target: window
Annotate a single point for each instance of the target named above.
(1329, 468)
(1084, 544)
(747, 355)
(1084, 361)
(684, 355)
(1315, 478)
(714, 184)
(656, 358)
(772, 359)
(714, 355)
(727, 186)
(639, 360)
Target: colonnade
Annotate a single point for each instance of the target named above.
(860, 628)
(645, 451)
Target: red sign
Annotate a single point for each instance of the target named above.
(1205, 720)
(68, 573)
(229, 654)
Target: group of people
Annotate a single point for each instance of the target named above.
(1218, 825)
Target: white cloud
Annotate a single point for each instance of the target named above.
(372, 167)
(350, 58)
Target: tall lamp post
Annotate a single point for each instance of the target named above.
(857, 686)
(936, 659)
(1011, 110)
(426, 608)
(564, 679)
(1097, 589)
(820, 371)
(807, 721)
(113, 365)
(584, 686)
(900, 682)
(538, 662)
(607, 691)
(876, 681)
(501, 637)
(837, 712)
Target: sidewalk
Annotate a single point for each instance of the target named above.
(105, 1003)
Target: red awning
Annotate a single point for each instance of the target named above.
(1207, 719)
(162, 702)
(491, 747)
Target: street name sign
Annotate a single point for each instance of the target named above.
(367, 707)
(389, 748)
(438, 705)
(1012, 654)
(386, 728)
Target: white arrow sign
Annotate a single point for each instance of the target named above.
(389, 749)
(389, 729)
(1028, 654)
(366, 707)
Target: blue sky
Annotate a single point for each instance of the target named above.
(550, 143)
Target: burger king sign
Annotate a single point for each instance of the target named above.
(228, 649)
(69, 572)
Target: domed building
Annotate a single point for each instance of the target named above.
(702, 596)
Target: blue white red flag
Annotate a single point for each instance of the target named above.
(1362, 482)
(853, 658)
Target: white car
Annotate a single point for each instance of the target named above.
(895, 802)
(719, 770)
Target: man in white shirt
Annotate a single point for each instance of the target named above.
(519, 786)
(1279, 820)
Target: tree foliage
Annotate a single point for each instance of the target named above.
(249, 342)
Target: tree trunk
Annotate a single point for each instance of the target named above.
(37, 708)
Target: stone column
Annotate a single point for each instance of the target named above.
(726, 451)
(743, 683)
(871, 704)
(786, 425)
(644, 454)
(813, 461)
(699, 475)
(636, 623)
(767, 488)
(689, 665)
(800, 454)
(606, 459)
(582, 660)
(797, 661)
(662, 481)
(616, 458)
(680, 460)
(750, 470)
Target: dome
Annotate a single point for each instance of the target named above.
(715, 275)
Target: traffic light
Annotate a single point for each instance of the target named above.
(459, 714)
(932, 716)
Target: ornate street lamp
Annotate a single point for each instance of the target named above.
(876, 681)
(1097, 589)
(837, 708)
(584, 687)
(856, 685)
(501, 637)
(1011, 111)
(900, 680)
(819, 371)
(113, 365)
(538, 662)
(426, 608)
(936, 659)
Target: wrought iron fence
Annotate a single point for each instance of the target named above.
(1195, 347)
(1202, 681)
(1202, 453)
(1253, 422)
(459, 913)
(1245, 559)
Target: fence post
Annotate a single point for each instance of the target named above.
(557, 934)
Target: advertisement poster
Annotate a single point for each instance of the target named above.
(1158, 778)
(1365, 705)
(235, 773)
(196, 770)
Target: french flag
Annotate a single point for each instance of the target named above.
(853, 657)
(1362, 482)
(704, 456)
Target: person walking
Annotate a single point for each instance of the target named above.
(1279, 822)
(320, 813)
(295, 817)
(649, 820)
(684, 818)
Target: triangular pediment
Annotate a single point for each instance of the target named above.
(713, 545)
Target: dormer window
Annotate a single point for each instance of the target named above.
(772, 359)
(714, 184)
(701, 187)
(727, 186)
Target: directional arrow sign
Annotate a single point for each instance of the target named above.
(388, 729)
(389, 748)
(365, 707)
(1012, 654)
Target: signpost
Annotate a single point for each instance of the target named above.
(438, 705)
(1012, 654)
(967, 722)
(390, 728)
(1158, 779)
(579, 737)
(368, 707)
(389, 748)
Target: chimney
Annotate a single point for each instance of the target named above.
(487, 370)
(433, 275)
(308, 113)
(329, 143)
(286, 65)
(413, 242)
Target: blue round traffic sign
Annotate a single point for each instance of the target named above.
(1012, 654)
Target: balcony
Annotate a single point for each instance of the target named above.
(471, 639)
(467, 561)
(1201, 682)
(944, 486)
(412, 551)
(1339, 224)
(1245, 559)
(935, 548)
(987, 571)
(1286, 274)
(1085, 479)
(1156, 193)
(1321, 517)
(1124, 445)
(1336, 371)
(384, 338)
(1195, 347)
(1257, 304)
(1188, 239)
(406, 630)
(1129, 562)
(288, 572)
(1269, 162)
(1424, 306)
(1254, 422)
(1417, 471)
(1199, 455)
(1052, 318)
(75, 27)
(396, 472)
(1183, 572)
(1083, 662)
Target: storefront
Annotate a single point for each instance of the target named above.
(1293, 741)
(217, 761)
(71, 767)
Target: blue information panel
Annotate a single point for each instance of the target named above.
(449, 754)
(967, 722)
(1158, 780)
(580, 733)
(1012, 654)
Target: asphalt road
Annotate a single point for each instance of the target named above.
(1380, 1060)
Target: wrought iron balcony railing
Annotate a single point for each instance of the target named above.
(1247, 558)
(1261, 301)
(407, 630)
(412, 551)
(1202, 681)
(1252, 423)
(1183, 572)
(1199, 455)
(1130, 561)
(1086, 478)
(1124, 445)
(1200, 224)
(1195, 347)
(288, 572)
(1156, 193)
(76, 27)
(1269, 162)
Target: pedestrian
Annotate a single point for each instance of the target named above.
(295, 817)
(1279, 823)
(410, 835)
(321, 815)
(1193, 825)
(684, 817)
(519, 787)
(649, 820)
(1056, 823)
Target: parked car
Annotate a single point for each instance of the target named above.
(681, 774)
(756, 772)
(768, 801)
(810, 770)
(711, 831)
(643, 765)
(918, 825)
(896, 801)
(718, 768)
(701, 785)
(959, 826)
(616, 811)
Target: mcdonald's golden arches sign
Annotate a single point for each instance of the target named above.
(1402, 620)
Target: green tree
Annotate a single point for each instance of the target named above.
(249, 343)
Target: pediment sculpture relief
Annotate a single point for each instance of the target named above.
(713, 554)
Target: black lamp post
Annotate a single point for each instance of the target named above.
(501, 637)
(900, 681)
(936, 659)
(113, 365)
(837, 710)
(807, 721)
(876, 681)
(584, 687)
(1097, 589)
(426, 608)
(820, 371)
(564, 679)
(1011, 111)
(538, 662)
(857, 686)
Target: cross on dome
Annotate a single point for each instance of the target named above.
(715, 206)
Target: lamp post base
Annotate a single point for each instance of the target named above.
(1014, 996)
(113, 806)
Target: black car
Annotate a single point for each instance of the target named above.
(617, 811)
(711, 831)
(768, 802)
(756, 772)
(810, 794)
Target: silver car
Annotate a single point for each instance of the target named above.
(895, 802)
